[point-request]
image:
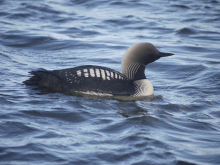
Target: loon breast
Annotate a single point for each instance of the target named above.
(143, 87)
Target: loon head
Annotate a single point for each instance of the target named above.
(137, 57)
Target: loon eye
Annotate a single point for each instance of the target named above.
(147, 52)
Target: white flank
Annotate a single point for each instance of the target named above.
(95, 93)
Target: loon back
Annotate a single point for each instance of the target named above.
(84, 79)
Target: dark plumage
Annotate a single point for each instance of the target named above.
(80, 79)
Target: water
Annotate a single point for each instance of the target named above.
(179, 125)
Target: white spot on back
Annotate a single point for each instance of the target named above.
(103, 74)
(86, 74)
(112, 75)
(92, 73)
(97, 72)
(107, 72)
(107, 75)
(79, 73)
(116, 75)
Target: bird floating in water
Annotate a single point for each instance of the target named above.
(98, 80)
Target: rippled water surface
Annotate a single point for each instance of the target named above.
(179, 125)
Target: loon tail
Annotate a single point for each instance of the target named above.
(46, 80)
(36, 78)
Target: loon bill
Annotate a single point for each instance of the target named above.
(100, 80)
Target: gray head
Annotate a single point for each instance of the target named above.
(137, 57)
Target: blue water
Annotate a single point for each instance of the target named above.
(179, 125)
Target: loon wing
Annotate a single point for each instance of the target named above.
(86, 78)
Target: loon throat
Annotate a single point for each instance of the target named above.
(98, 80)
(135, 71)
